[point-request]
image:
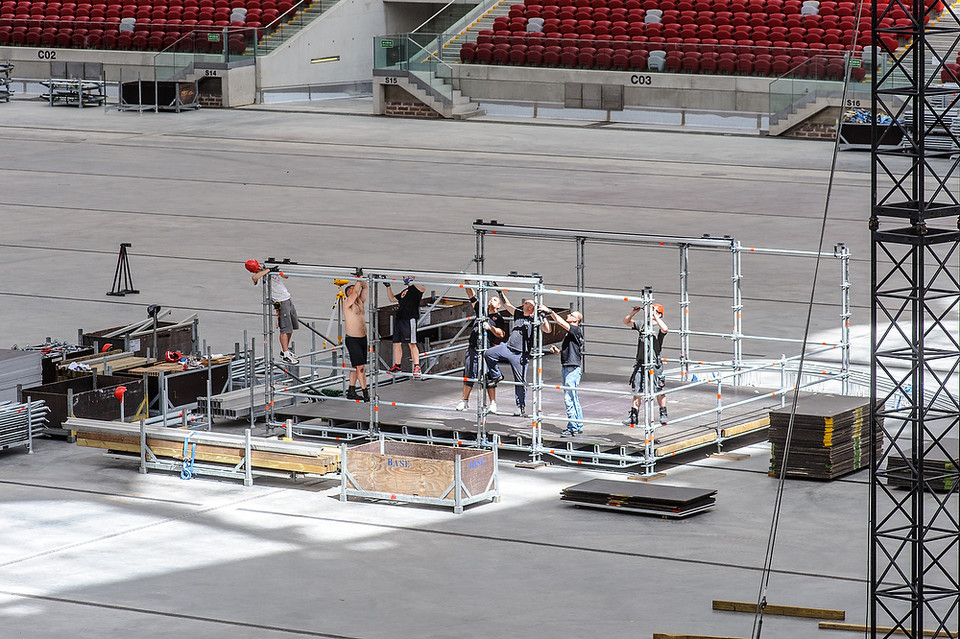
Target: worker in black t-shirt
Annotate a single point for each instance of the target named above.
(571, 369)
(405, 323)
(516, 350)
(494, 327)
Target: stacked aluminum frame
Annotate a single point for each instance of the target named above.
(20, 423)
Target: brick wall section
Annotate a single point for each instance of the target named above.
(211, 100)
(409, 110)
(814, 131)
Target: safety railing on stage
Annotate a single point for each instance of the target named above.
(322, 373)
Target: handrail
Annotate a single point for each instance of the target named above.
(280, 18)
(439, 11)
(430, 54)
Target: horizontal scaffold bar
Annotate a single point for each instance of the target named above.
(705, 241)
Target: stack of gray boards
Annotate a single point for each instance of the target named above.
(673, 502)
(18, 368)
(940, 469)
(831, 434)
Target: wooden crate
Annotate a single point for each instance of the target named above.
(419, 473)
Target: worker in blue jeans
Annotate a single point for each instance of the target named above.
(571, 368)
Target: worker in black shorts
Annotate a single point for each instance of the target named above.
(639, 375)
(405, 323)
(494, 326)
(356, 338)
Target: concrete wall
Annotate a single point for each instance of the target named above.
(34, 63)
(712, 93)
(347, 30)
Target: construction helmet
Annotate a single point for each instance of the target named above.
(252, 265)
(658, 308)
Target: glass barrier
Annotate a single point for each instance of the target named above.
(289, 23)
(419, 55)
(224, 45)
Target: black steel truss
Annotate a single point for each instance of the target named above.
(915, 363)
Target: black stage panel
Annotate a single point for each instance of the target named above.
(674, 502)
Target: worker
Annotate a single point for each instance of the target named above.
(639, 375)
(287, 320)
(355, 327)
(571, 368)
(494, 327)
(405, 323)
(516, 351)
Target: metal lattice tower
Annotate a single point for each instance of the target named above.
(914, 532)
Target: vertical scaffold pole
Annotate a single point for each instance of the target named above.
(537, 385)
(684, 312)
(373, 353)
(581, 287)
(483, 343)
(843, 253)
(267, 349)
(737, 307)
(479, 256)
(649, 373)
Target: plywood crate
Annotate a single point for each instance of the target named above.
(419, 473)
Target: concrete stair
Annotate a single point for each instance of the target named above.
(286, 30)
(802, 110)
(438, 94)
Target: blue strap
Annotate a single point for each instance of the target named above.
(187, 471)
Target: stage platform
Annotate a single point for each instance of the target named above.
(435, 420)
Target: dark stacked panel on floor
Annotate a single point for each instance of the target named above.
(940, 467)
(831, 436)
(673, 502)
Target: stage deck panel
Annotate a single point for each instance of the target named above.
(657, 499)
(442, 396)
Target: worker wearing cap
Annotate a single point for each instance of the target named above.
(287, 320)
(516, 350)
(571, 368)
(640, 368)
(488, 331)
(405, 323)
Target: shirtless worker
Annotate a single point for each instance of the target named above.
(355, 324)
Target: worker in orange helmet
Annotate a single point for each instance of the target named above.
(640, 368)
(287, 320)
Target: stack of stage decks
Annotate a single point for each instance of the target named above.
(831, 436)
(673, 502)
(940, 470)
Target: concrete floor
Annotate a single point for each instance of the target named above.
(90, 547)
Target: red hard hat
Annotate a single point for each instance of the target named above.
(118, 392)
(659, 308)
(252, 265)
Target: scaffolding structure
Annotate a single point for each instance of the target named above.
(320, 377)
(684, 245)
(914, 584)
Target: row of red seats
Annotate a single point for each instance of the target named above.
(177, 13)
(753, 6)
(146, 26)
(29, 6)
(105, 39)
(679, 44)
(831, 67)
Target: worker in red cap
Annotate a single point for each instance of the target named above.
(287, 320)
(640, 368)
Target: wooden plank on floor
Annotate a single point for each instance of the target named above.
(685, 444)
(739, 429)
(786, 611)
(855, 627)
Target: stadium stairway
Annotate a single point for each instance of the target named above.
(468, 33)
(301, 20)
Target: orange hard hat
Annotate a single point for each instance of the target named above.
(252, 265)
(658, 308)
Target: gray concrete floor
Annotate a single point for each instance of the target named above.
(88, 547)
